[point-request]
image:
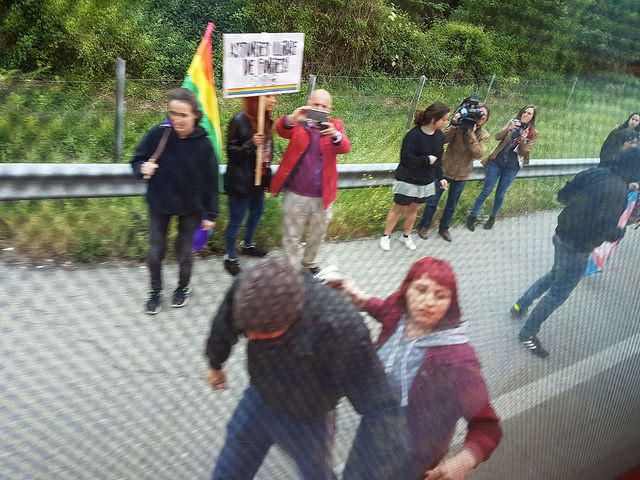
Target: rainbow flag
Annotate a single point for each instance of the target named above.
(199, 80)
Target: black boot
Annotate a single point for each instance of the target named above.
(471, 223)
(490, 222)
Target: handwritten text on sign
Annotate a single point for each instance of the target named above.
(262, 63)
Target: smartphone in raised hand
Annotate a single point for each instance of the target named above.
(316, 115)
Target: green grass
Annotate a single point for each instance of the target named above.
(65, 122)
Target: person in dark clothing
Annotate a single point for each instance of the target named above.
(239, 179)
(622, 137)
(517, 139)
(417, 173)
(594, 201)
(307, 348)
(182, 181)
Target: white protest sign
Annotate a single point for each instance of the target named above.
(261, 63)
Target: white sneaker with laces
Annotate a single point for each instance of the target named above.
(408, 242)
(385, 243)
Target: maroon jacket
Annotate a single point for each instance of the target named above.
(447, 387)
(299, 141)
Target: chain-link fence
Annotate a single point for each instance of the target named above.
(94, 389)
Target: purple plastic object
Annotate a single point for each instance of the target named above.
(200, 239)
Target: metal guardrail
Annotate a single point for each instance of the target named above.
(39, 181)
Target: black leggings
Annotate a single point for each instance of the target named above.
(158, 225)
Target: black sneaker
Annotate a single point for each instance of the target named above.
(180, 297)
(232, 265)
(489, 224)
(313, 270)
(471, 223)
(252, 250)
(153, 304)
(532, 344)
(517, 311)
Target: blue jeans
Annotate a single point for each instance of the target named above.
(254, 428)
(568, 268)
(455, 190)
(238, 207)
(492, 174)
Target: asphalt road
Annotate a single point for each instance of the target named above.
(91, 388)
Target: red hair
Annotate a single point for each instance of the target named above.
(439, 271)
(250, 108)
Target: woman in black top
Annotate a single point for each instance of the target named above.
(417, 172)
(239, 179)
(621, 137)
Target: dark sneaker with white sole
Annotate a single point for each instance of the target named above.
(180, 297)
(532, 344)
(153, 304)
(232, 265)
(252, 250)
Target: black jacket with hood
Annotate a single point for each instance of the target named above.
(241, 164)
(594, 201)
(186, 180)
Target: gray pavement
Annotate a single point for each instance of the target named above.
(91, 388)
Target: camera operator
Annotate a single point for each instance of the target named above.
(467, 140)
(517, 138)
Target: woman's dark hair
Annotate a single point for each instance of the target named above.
(250, 109)
(441, 272)
(533, 133)
(626, 124)
(433, 112)
(186, 96)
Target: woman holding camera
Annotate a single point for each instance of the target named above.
(621, 137)
(418, 172)
(517, 138)
(239, 182)
(466, 141)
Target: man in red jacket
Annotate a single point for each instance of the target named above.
(309, 176)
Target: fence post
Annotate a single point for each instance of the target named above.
(571, 93)
(121, 69)
(415, 101)
(312, 85)
(493, 77)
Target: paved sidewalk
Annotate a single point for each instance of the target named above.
(94, 388)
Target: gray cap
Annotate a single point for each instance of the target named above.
(269, 296)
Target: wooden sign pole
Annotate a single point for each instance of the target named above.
(259, 151)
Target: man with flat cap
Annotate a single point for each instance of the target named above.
(307, 348)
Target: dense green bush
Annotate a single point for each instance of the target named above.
(74, 37)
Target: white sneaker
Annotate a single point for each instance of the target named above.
(408, 242)
(385, 242)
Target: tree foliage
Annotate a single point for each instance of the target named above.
(73, 37)
(406, 37)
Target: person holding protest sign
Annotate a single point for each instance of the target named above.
(418, 172)
(308, 174)
(594, 201)
(181, 167)
(466, 141)
(307, 348)
(243, 140)
(517, 139)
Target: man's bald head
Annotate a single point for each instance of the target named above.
(320, 99)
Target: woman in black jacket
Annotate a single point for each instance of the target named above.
(239, 179)
(621, 137)
(418, 171)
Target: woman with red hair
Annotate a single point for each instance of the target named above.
(426, 354)
(243, 141)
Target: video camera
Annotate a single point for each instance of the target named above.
(468, 112)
